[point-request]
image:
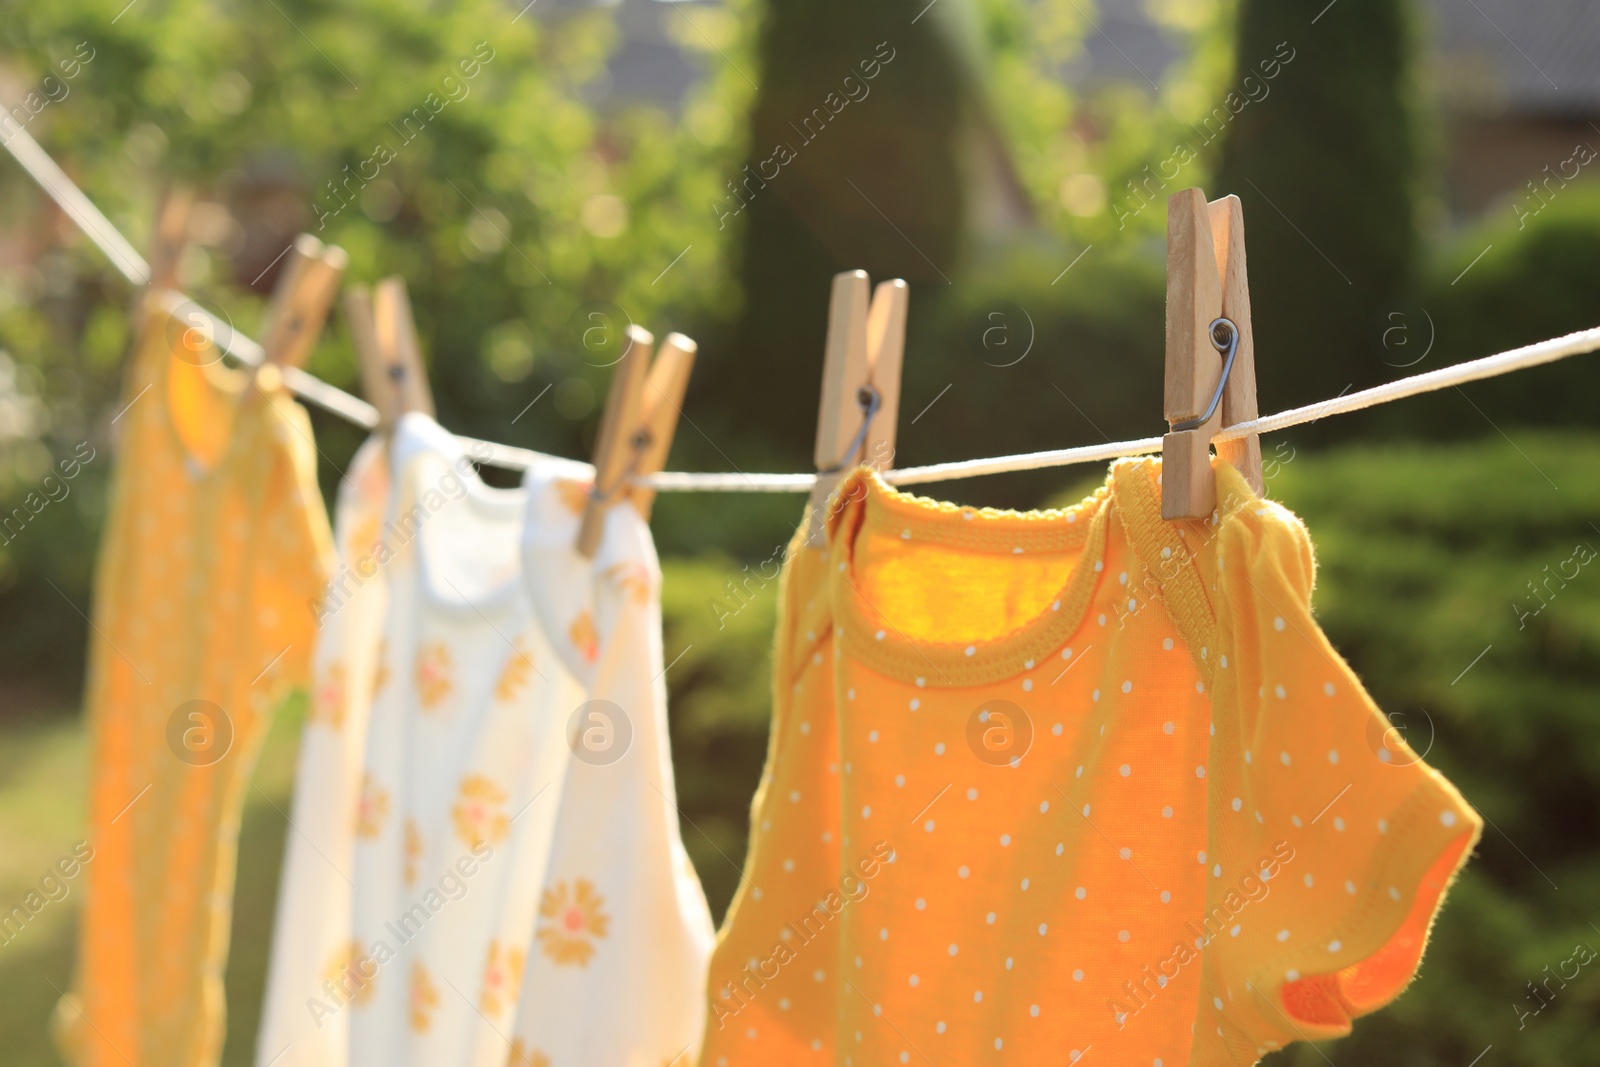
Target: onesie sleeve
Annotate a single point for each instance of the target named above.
(297, 552)
(1332, 842)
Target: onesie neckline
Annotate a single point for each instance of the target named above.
(220, 392)
(424, 455)
(1131, 496)
(865, 502)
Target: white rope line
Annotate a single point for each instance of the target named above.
(37, 162)
(132, 266)
(1573, 344)
(331, 398)
(697, 481)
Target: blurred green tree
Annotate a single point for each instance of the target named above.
(855, 160)
(450, 145)
(1327, 164)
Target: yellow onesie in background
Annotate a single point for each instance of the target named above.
(214, 555)
(1070, 785)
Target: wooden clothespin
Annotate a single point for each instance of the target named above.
(860, 404)
(664, 390)
(301, 299)
(376, 384)
(1210, 372)
(636, 427)
(171, 237)
(399, 353)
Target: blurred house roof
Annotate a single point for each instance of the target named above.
(1518, 56)
(649, 64)
(1122, 44)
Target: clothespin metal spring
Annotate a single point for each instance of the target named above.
(870, 400)
(638, 444)
(1225, 339)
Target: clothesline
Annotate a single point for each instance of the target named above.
(331, 398)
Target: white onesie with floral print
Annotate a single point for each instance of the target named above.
(521, 895)
(300, 1023)
(617, 971)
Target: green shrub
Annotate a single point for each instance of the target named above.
(718, 641)
(1425, 558)
(1034, 359)
(1500, 285)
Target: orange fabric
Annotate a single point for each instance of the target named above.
(1047, 783)
(215, 550)
(1334, 999)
